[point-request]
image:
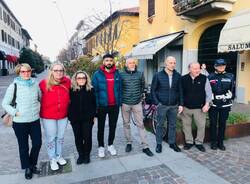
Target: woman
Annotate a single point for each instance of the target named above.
(82, 110)
(54, 108)
(25, 114)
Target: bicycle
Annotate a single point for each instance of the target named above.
(149, 114)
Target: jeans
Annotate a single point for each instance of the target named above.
(113, 112)
(168, 113)
(54, 136)
(218, 116)
(127, 110)
(83, 136)
(22, 132)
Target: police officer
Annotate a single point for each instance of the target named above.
(223, 85)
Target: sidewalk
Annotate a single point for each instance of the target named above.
(188, 167)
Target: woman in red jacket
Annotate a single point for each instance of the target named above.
(54, 108)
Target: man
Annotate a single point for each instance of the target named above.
(197, 95)
(132, 91)
(223, 86)
(166, 93)
(107, 85)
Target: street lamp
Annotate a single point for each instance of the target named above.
(62, 19)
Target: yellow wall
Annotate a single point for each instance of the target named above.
(129, 35)
(244, 76)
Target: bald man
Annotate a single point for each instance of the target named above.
(197, 95)
(132, 91)
(166, 93)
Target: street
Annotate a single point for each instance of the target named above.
(217, 167)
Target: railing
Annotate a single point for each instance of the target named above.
(183, 5)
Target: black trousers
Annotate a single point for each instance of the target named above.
(23, 131)
(218, 118)
(83, 136)
(113, 112)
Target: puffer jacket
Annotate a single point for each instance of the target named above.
(27, 101)
(99, 83)
(55, 102)
(132, 86)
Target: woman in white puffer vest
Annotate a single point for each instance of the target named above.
(26, 120)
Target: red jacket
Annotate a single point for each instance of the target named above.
(55, 102)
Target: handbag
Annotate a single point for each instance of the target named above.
(7, 118)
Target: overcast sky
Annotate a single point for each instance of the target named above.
(42, 19)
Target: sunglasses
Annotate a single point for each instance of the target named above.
(23, 71)
(80, 78)
(58, 71)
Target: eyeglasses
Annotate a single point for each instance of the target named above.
(80, 78)
(23, 71)
(58, 71)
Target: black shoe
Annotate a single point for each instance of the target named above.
(175, 147)
(86, 160)
(221, 147)
(28, 174)
(158, 148)
(213, 146)
(200, 147)
(35, 170)
(79, 160)
(128, 148)
(148, 152)
(187, 146)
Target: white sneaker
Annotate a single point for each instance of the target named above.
(61, 161)
(112, 150)
(53, 165)
(101, 152)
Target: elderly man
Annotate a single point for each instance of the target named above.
(132, 91)
(166, 93)
(197, 95)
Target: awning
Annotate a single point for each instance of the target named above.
(146, 49)
(235, 35)
(11, 58)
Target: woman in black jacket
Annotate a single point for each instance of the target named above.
(82, 110)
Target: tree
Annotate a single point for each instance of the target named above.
(63, 55)
(82, 63)
(34, 59)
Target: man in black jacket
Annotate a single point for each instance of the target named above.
(132, 90)
(197, 95)
(166, 93)
(223, 85)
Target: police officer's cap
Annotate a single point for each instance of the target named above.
(219, 62)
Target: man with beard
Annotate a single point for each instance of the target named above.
(107, 84)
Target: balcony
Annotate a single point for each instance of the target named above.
(195, 8)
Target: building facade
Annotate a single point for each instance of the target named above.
(13, 37)
(197, 30)
(117, 34)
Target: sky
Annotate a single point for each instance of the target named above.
(41, 18)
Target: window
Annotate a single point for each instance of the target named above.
(5, 37)
(1, 13)
(4, 17)
(96, 40)
(116, 32)
(101, 39)
(13, 42)
(105, 37)
(2, 33)
(9, 39)
(110, 33)
(8, 19)
(151, 8)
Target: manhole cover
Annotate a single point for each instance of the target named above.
(46, 171)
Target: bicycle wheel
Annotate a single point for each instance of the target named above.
(154, 124)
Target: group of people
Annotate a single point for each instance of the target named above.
(57, 99)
